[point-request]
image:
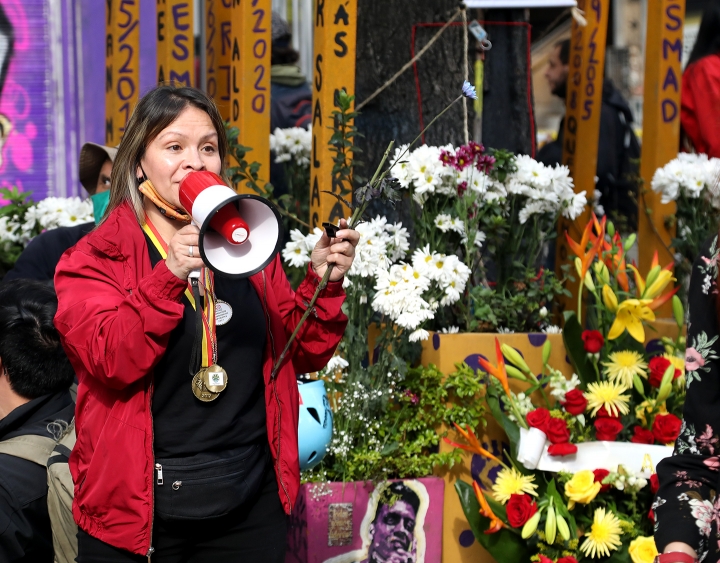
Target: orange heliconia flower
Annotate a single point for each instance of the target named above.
(498, 371)
(473, 444)
(495, 523)
(580, 249)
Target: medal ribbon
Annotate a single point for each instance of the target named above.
(207, 314)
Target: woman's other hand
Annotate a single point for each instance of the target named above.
(339, 251)
(183, 254)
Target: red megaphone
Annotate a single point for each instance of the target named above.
(200, 193)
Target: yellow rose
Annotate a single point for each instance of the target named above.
(582, 488)
(643, 550)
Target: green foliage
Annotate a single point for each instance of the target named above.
(342, 144)
(396, 435)
(12, 215)
(521, 306)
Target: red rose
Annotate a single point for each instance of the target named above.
(607, 428)
(562, 449)
(600, 474)
(603, 413)
(519, 510)
(575, 402)
(538, 418)
(544, 559)
(642, 436)
(592, 341)
(567, 559)
(557, 431)
(666, 428)
(654, 483)
(657, 366)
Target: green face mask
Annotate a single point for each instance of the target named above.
(100, 202)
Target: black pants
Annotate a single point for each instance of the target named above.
(255, 532)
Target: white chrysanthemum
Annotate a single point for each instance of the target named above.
(292, 144)
(8, 230)
(442, 222)
(476, 181)
(575, 206)
(295, 252)
(450, 330)
(336, 363)
(419, 334)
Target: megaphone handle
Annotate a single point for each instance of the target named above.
(194, 274)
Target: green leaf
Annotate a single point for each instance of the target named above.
(572, 337)
(511, 429)
(503, 545)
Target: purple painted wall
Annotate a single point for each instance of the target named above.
(52, 92)
(26, 104)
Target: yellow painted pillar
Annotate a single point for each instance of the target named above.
(334, 63)
(250, 80)
(581, 132)
(175, 42)
(122, 66)
(218, 28)
(661, 125)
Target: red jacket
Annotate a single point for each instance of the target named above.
(700, 105)
(115, 314)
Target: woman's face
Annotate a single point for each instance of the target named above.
(188, 144)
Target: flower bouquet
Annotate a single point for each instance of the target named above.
(497, 212)
(692, 182)
(578, 481)
(21, 219)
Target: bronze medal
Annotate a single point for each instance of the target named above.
(214, 378)
(199, 389)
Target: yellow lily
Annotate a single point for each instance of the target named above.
(630, 316)
(609, 298)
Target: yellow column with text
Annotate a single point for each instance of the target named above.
(218, 27)
(581, 132)
(250, 80)
(175, 42)
(122, 66)
(661, 126)
(334, 63)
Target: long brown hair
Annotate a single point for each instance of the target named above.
(154, 112)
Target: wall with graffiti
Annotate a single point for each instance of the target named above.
(26, 106)
(52, 88)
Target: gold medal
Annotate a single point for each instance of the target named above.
(199, 389)
(214, 378)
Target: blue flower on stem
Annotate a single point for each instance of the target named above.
(468, 91)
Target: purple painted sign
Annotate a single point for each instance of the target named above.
(26, 124)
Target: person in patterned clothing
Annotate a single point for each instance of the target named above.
(687, 506)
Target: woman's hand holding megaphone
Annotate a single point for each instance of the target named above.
(339, 251)
(183, 254)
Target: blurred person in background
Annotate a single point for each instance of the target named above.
(700, 97)
(39, 259)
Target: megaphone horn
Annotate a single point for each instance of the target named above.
(240, 234)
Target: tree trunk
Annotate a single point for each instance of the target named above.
(506, 119)
(400, 111)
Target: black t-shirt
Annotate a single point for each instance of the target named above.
(184, 425)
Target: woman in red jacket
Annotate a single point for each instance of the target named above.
(161, 469)
(700, 98)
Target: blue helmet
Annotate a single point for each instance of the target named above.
(315, 425)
